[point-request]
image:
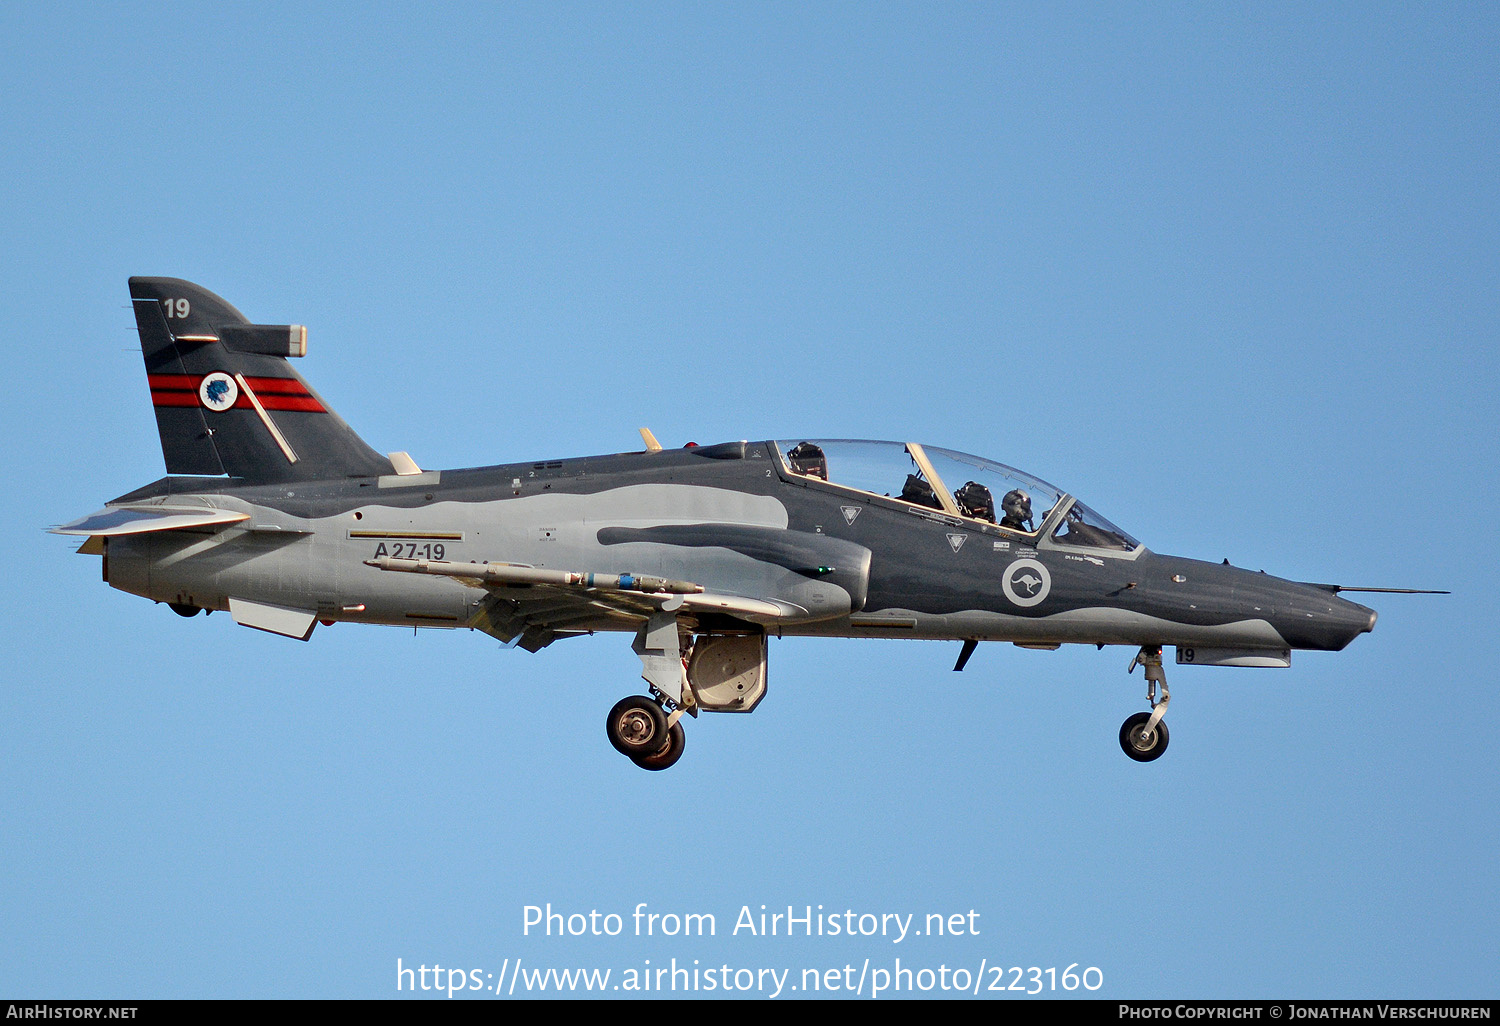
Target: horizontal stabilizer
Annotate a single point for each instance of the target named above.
(117, 520)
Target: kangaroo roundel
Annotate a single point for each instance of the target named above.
(1026, 582)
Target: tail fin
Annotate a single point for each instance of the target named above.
(227, 401)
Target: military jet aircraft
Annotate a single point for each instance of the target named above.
(276, 511)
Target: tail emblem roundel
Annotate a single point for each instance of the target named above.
(218, 392)
(1026, 582)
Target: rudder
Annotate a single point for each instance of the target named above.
(226, 399)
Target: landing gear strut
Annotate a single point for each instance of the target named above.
(1144, 736)
(647, 729)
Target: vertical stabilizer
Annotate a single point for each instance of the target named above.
(228, 402)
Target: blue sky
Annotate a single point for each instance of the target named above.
(1228, 273)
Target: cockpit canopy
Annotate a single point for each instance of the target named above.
(957, 484)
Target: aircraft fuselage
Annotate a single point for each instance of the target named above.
(732, 518)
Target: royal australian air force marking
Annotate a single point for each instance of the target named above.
(851, 514)
(1026, 582)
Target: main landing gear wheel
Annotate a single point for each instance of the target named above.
(1140, 745)
(669, 754)
(637, 727)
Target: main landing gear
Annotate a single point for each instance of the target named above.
(643, 731)
(641, 727)
(1144, 736)
(686, 675)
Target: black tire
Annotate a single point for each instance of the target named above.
(636, 726)
(669, 754)
(183, 609)
(1143, 749)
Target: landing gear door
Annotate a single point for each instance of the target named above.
(728, 672)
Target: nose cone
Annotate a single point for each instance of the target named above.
(1302, 616)
(1314, 617)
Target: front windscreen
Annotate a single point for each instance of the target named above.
(1083, 528)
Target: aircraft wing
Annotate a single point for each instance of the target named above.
(538, 605)
(117, 520)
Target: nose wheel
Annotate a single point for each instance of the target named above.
(1141, 742)
(1144, 735)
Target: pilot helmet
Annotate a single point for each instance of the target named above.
(1017, 506)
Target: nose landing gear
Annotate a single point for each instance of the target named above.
(1140, 742)
(1144, 736)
